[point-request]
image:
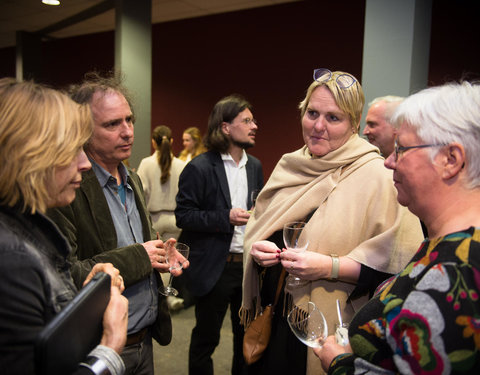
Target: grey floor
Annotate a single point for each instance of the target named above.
(173, 358)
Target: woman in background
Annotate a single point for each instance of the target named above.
(159, 173)
(192, 144)
(42, 132)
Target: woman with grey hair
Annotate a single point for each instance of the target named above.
(426, 319)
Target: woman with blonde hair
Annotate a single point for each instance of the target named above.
(192, 143)
(357, 232)
(42, 132)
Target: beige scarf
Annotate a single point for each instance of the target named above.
(357, 215)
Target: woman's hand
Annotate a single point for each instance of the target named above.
(309, 265)
(329, 350)
(265, 253)
(306, 265)
(108, 268)
(115, 321)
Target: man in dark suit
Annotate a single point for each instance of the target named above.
(212, 203)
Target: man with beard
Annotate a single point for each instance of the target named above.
(212, 203)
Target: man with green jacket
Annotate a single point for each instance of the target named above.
(109, 222)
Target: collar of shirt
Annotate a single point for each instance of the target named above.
(243, 160)
(103, 176)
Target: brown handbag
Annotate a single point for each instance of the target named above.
(257, 335)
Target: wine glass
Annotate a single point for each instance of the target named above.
(309, 325)
(295, 241)
(177, 254)
(341, 328)
(253, 198)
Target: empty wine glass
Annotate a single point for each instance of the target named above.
(177, 254)
(296, 241)
(341, 328)
(309, 325)
(253, 198)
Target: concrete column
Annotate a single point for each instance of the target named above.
(28, 56)
(396, 48)
(133, 57)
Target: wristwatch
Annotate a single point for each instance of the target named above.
(96, 365)
(335, 266)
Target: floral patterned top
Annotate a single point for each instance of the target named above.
(426, 319)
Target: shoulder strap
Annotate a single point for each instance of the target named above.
(279, 287)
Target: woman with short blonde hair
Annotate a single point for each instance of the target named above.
(40, 130)
(42, 133)
(357, 232)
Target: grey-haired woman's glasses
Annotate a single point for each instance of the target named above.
(399, 150)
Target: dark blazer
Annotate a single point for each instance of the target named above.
(203, 209)
(88, 226)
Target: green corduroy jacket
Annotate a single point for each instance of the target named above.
(88, 226)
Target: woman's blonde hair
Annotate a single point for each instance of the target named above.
(198, 148)
(350, 100)
(41, 129)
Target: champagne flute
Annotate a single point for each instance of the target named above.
(253, 199)
(295, 241)
(308, 324)
(176, 255)
(341, 328)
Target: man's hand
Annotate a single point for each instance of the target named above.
(156, 251)
(238, 216)
(172, 253)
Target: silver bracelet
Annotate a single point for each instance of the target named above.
(96, 365)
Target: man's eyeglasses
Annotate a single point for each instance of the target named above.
(344, 81)
(248, 121)
(399, 150)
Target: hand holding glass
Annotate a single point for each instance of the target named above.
(309, 325)
(177, 254)
(296, 241)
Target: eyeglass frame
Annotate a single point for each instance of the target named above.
(399, 150)
(247, 121)
(330, 77)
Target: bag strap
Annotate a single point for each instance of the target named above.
(279, 287)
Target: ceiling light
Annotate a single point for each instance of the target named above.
(51, 2)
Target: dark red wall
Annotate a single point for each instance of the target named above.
(267, 54)
(455, 42)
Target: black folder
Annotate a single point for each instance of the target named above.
(75, 331)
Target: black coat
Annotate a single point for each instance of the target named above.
(203, 209)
